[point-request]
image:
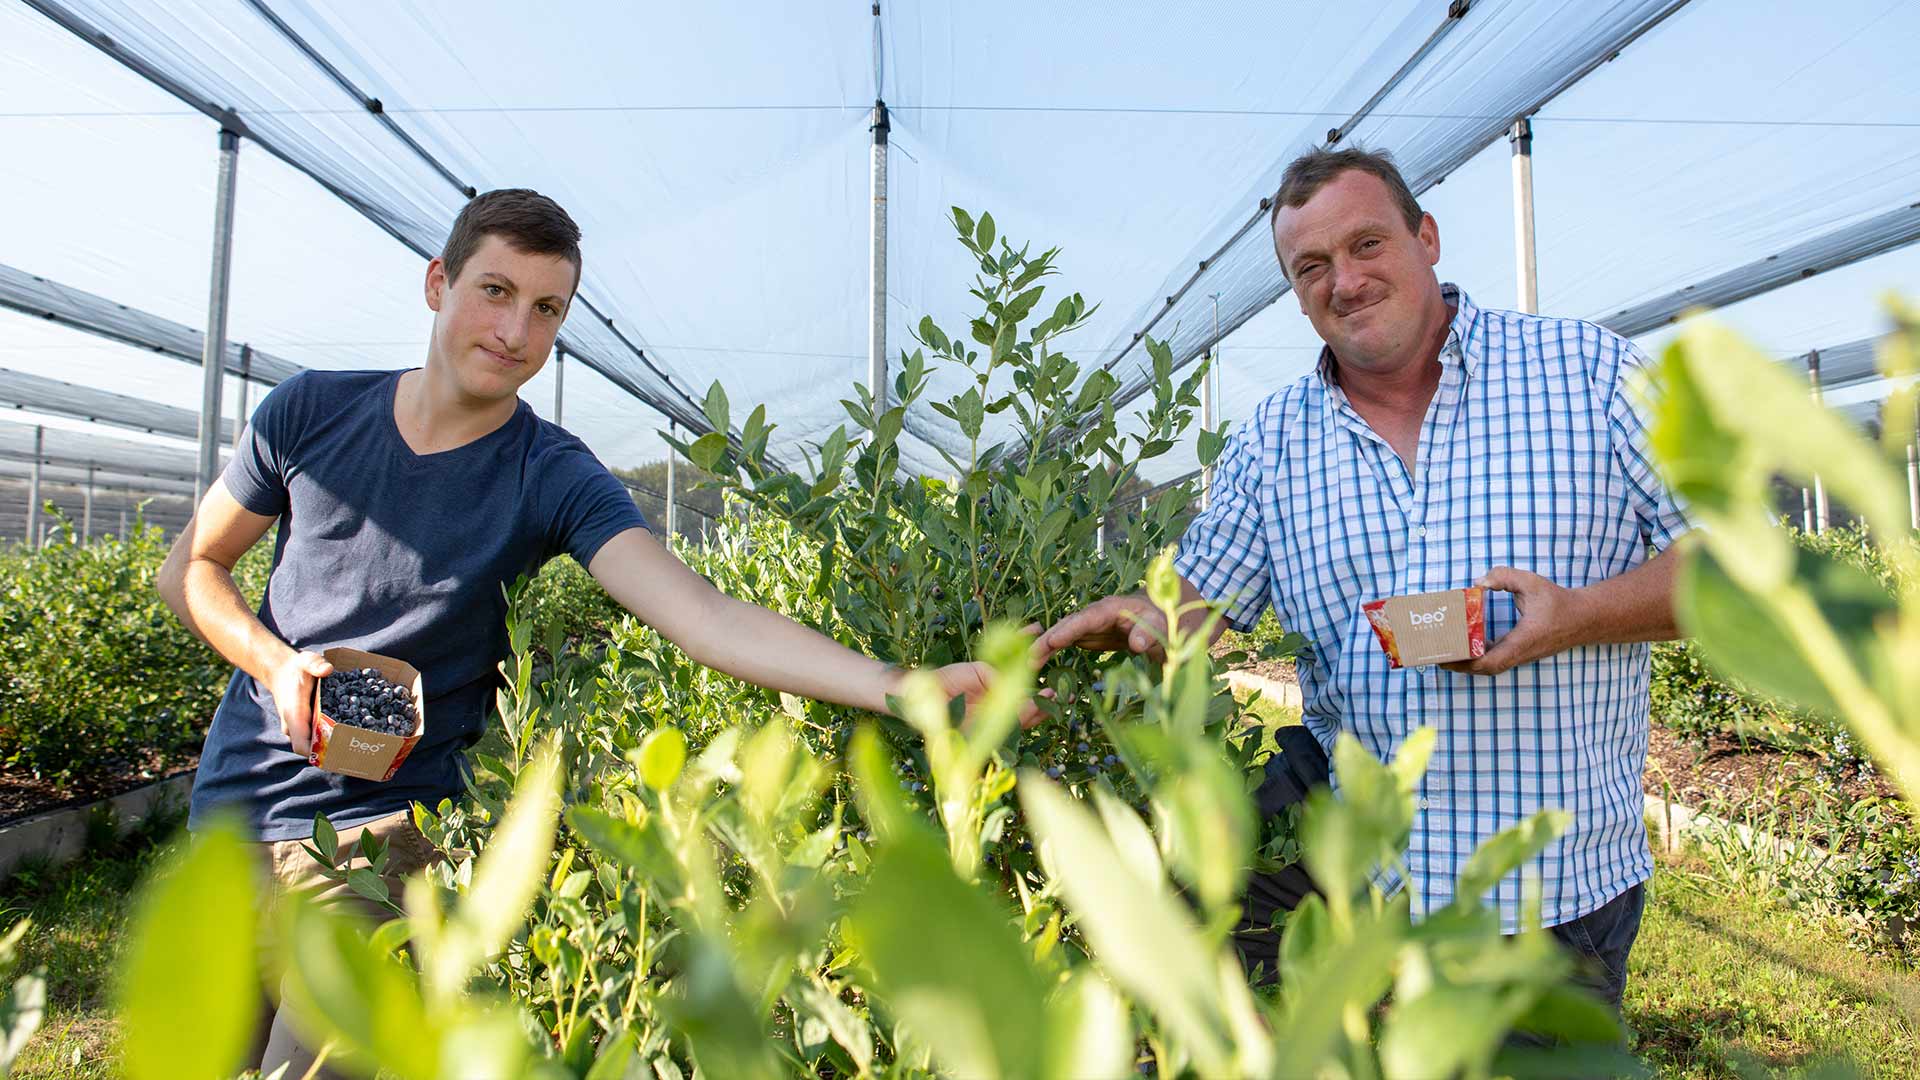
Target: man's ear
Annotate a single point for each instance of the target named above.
(1430, 238)
(436, 284)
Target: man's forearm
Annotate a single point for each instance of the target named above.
(1630, 607)
(205, 599)
(768, 649)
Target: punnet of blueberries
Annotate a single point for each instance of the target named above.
(364, 698)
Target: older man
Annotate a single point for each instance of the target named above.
(1437, 445)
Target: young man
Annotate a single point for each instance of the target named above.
(406, 500)
(1439, 445)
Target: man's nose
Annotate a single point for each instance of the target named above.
(512, 328)
(1348, 281)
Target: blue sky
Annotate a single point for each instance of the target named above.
(733, 242)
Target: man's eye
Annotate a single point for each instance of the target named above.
(494, 290)
(549, 309)
(1365, 244)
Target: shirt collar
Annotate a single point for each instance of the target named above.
(1461, 346)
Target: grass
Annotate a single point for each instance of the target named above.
(79, 912)
(1724, 982)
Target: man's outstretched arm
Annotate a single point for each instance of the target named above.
(748, 641)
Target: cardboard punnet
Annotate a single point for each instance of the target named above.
(1431, 628)
(355, 751)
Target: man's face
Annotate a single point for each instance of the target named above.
(1364, 279)
(494, 327)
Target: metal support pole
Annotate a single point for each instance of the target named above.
(559, 380)
(33, 489)
(1208, 406)
(214, 359)
(877, 272)
(673, 512)
(240, 407)
(86, 512)
(1100, 537)
(1521, 136)
(1819, 487)
(1913, 485)
(124, 496)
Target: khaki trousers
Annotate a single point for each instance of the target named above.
(293, 870)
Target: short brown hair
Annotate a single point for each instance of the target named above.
(527, 220)
(1316, 168)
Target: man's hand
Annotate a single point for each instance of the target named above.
(291, 685)
(1118, 622)
(1553, 619)
(972, 680)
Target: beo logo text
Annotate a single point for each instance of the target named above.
(1436, 617)
(354, 742)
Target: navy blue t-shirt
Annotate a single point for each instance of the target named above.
(385, 550)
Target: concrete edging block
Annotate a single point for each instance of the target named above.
(1273, 690)
(59, 835)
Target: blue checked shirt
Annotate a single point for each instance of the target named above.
(1531, 456)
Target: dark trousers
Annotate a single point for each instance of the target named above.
(1601, 940)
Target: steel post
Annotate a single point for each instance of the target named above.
(214, 359)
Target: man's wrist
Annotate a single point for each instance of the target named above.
(891, 677)
(1582, 620)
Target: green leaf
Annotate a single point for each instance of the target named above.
(368, 884)
(1501, 854)
(1090, 1030)
(626, 843)
(983, 235)
(716, 408)
(662, 756)
(967, 409)
(1140, 932)
(707, 450)
(506, 878)
(616, 1055)
(341, 987)
(712, 1011)
(1741, 636)
(1564, 1011)
(1003, 341)
(1731, 393)
(963, 221)
(1211, 443)
(968, 990)
(189, 988)
(846, 1027)
(326, 839)
(1450, 1030)
(1163, 583)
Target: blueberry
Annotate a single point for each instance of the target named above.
(1053, 772)
(1112, 759)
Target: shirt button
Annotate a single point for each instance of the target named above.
(1423, 802)
(1419, 530)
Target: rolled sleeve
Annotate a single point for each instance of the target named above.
(1224, 552)
(1662, 519)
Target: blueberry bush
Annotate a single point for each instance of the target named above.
(99, 674)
